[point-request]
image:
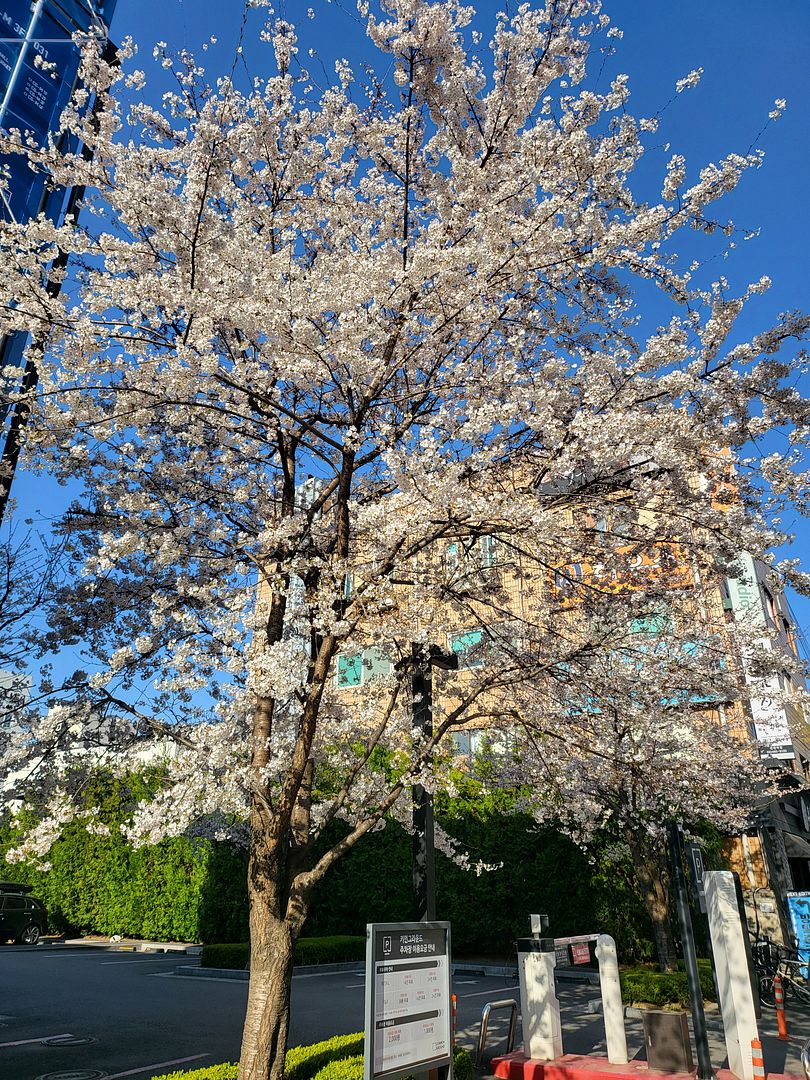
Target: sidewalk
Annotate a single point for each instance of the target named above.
(584, 1033)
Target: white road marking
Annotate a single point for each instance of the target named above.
(197, 978)
(491, 991)
(163, 960)
(157, 1065)
(42, 1038)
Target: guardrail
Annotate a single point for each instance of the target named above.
(491, 1007)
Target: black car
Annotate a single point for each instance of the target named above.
(23, 918)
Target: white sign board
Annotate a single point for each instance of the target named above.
(408, 1009)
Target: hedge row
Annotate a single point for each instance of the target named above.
(338, 1058)
(664, 987)
(179, 890)
(195, 890)
(335, 949)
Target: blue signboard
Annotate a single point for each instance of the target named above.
(798, 904)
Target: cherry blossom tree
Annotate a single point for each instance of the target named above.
(355, 370)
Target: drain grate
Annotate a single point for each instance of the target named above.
(74, 1074)
(69, 1040)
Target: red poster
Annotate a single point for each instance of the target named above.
(581, 953)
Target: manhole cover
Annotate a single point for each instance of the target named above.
(69, 1040)
(74, 1074)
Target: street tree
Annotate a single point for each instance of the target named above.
(339, 371)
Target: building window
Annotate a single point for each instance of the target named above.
(361, 668)
(466, 645)
(652, 625)
(472, 553)
(770, 604)
(790, 637)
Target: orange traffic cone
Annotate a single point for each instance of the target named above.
(779, 998)
(757, 1059)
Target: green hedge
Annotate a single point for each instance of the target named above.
(195, 890)
(336, 949)
(181, 889)
(664, 987)
(334, 1059)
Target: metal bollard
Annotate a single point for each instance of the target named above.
(490, 1007)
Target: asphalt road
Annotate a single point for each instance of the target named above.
(143, 1020)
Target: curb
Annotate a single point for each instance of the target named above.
(239, 974)
(509, 971)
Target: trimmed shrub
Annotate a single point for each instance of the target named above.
(225, 1071)
(664, 987)
(301, 1062)
(305, 1062)
(336, 949)
(333, 1059)
(348, 1069)
(352, 1068)
(226, 956)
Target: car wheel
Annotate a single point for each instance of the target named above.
(30, 935)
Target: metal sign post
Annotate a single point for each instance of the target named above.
(408, 1008)
(705, 1070)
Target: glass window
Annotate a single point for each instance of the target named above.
(770, 604)
(375, 664)
(465, 644)
(651, 624)
(451, 557)
(487, 545)
(462, 743)
(350, 670)
(362, 667)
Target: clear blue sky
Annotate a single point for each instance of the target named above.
(751, 53)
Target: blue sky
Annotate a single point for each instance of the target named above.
(751, 53)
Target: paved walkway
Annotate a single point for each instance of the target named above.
(584, 1033)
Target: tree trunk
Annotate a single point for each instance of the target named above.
(272, 944)
(653, 878)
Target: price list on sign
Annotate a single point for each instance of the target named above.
(408, 1011)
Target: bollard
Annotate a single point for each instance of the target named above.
(453, 1027)
(757, 1059)
(779, 998)
(611, 1000)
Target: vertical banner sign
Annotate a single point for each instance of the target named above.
(408, 1007)
(798, 904)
